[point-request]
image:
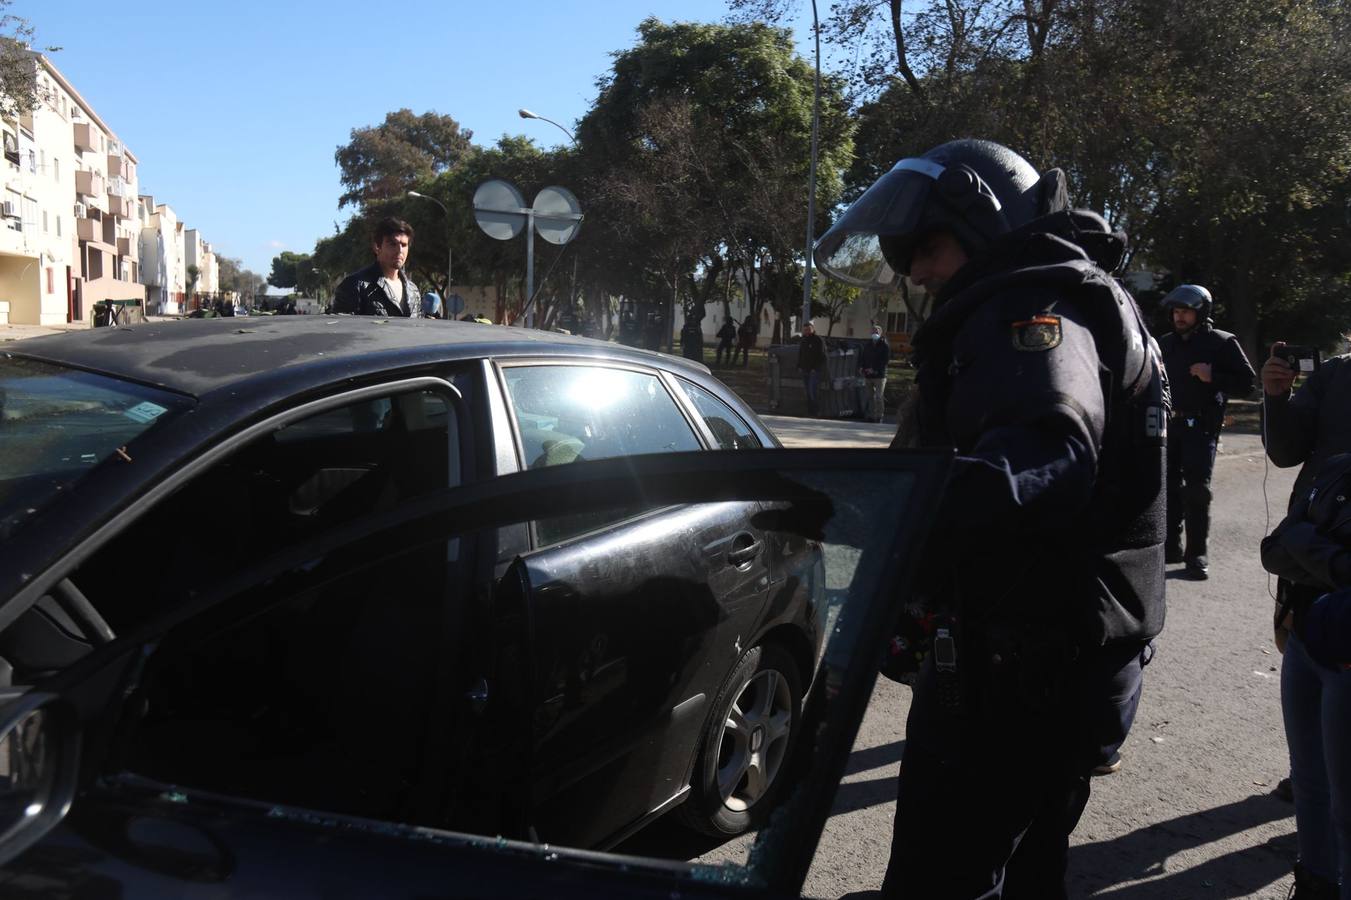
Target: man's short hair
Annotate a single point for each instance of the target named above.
(388, 227)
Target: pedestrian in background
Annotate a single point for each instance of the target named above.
(382, 288)
(726, 338)
(811, 360)
(1044, 567)
(1206, 366)
(872, 365)
(1309, 427)
(747, 334)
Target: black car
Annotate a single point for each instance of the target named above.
(318, 583)
(143, 469)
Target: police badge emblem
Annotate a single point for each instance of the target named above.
(1037, 333)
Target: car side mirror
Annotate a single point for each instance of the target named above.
(39, 768)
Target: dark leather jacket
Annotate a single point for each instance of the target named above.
(361, 294)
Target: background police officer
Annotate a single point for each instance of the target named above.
(1046, 561)
(1205, 367)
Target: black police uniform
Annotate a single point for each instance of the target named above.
(1194, 432)
(1047, 556)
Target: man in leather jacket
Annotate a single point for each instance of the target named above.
(1046, 560)
(1205, 367)
(382, 288)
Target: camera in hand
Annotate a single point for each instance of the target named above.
(1301, 359)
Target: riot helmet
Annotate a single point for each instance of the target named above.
(1189, 296)
(977, 190)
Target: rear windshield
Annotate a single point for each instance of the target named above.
(57, 425)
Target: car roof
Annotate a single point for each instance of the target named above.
(199, 357)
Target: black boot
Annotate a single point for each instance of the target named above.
(1309, 886)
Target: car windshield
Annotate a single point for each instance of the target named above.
(57, 425)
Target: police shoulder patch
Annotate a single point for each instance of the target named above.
(1037, 333)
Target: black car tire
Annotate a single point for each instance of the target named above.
(745, 746)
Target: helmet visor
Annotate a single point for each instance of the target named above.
(893, 207)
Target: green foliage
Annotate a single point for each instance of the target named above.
(381, 162)
(1217, 133)
(288, 268)
(696, 154)
(20, 91)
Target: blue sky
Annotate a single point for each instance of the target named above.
(234, 109)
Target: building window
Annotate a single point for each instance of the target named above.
(58, 226)
(51, 280)
(44, 221)
(56, 167)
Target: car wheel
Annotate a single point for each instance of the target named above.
(743, 756)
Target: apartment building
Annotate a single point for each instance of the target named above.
(69, 234)
(198, 255)
(161, 251)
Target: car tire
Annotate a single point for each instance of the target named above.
(743, 753)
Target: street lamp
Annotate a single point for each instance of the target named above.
(450, 249)
(527, 114)
(811, 177)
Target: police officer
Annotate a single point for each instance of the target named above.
(1045, 566)
(1205, 366)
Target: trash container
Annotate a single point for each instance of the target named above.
(103, 314)
(836, 395)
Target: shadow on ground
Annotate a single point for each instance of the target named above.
(1101, 869)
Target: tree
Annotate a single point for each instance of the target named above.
(194, 274)
(381, 162)
(832, 299)
(1216, 133)
(20, 90)
(698, 148)
(288, 269)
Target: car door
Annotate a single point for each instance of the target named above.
(635, 620)
(85, 824)
(268, 695)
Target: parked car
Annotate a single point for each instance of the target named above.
(666, 655)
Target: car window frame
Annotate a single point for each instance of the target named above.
(678, 388)
(516, 447)
(68, 562)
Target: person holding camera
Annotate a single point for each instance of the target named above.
(1309, 427)
(1205, 366)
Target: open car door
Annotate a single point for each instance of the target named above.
(79, 816)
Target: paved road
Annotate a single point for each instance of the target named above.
(1191, 814)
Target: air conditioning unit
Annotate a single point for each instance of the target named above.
(80, 211)
(9, 210)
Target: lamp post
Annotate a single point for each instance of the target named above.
(450, 250)
(811, 177)
(529, 114)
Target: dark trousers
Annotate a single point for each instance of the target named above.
(1191, 461)
(993, 784)
(725, 346)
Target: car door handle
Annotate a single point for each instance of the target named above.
(743, 552)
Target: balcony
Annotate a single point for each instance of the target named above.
(118, 166)
(89, 229)
(90, 184)
(118, 206)
(124, 246)
(84, 136)
(118, 187)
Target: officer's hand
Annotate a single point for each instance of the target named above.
(1201, 371)
(1277, 374)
